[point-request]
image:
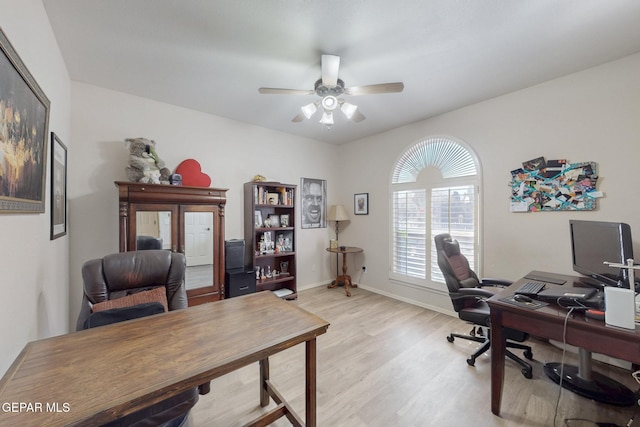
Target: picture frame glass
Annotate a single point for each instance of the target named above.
(361, 204)
(274, 220)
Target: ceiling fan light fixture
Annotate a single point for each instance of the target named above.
(309, 110)
(329, 103)
(348, 109)
(329, 88)
(327, 118)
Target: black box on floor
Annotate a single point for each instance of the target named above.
(239, 282)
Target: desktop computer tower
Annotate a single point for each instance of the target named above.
(238, 280)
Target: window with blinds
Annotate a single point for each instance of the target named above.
(421, 211)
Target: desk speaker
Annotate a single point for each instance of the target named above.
(620, 307)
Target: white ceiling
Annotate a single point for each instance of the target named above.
(212, 56)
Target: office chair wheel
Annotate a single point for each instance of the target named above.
(529, 355)
(471, 361)
(450, 338)
(528, 374)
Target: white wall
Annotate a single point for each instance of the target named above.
(34, 269)
(593, 115)
(230, 152)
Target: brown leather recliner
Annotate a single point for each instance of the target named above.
(122, 274)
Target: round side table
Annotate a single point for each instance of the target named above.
(345, 278)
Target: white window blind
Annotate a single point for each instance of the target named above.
(409, 233)
(451, 158)
(452, 211)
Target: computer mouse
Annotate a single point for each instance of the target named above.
(521, 298)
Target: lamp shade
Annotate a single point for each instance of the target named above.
(337, 213)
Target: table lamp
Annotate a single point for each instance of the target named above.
(337, 213)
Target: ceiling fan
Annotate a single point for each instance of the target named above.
(330, 88)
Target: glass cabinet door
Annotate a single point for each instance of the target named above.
(197, 246)
(155, 227)
(200, 237)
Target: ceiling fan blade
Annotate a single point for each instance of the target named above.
(374, 89)
(300, 117)
(278, 91)
(330, 66)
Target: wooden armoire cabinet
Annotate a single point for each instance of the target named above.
(182, 219)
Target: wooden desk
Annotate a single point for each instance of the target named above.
(98, 375)
(345, 278)
(548, 322)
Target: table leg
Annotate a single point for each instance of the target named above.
(337, 281)
(498, 344)
(346, 278)
(264, 377)
(311, 383)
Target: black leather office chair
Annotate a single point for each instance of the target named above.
(468, 294)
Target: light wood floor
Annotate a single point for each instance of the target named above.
(387, 363)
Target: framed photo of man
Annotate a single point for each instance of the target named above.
(314, 202)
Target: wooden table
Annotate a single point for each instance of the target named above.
(95, 376)
(548, 322)
(345, 278)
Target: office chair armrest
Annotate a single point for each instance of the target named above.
(502, 283)
(476, 293)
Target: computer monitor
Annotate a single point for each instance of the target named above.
(593, 243)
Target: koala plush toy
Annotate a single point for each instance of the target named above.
(144, 164)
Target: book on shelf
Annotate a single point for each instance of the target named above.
(267, 196)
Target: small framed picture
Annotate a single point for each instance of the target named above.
(58, 187)
(284, 220)
(272, 198)
(274, 220)
(258, 219)
(361, 204)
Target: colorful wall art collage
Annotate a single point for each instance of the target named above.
(554, 185)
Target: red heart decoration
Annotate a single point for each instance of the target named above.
(192, 175)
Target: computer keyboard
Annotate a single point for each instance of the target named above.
(530, 288)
